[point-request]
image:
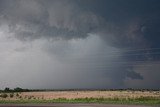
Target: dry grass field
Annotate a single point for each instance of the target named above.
(48, 95)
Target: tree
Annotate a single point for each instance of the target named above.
(18, 89)
(7, 89)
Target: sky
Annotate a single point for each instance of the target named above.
(80, 44)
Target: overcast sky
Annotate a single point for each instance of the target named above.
(67, 44)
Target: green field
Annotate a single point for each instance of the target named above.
(137, 101)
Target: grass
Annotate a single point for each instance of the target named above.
(136, 101)
(104, 97)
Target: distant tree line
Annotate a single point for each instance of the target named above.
(18, 89)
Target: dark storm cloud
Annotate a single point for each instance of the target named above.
(131, 20)
(117, 21)
(127, 25)
(134, 25)
(62, 19)
(131, 25)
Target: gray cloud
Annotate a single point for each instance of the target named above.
(67, 20)
(34, 19)
(64, 41)
(150, 72)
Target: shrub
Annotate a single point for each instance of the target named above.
(4, 95)
(30, 97)
(11, 95)
(17, 95)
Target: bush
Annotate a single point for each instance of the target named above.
(30, 97)
(4, 95)
(17, 95)
(11, 95)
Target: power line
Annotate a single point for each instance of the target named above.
(131, 50)
(138, 54)
(142, 49)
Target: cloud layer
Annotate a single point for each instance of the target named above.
(78, 44)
